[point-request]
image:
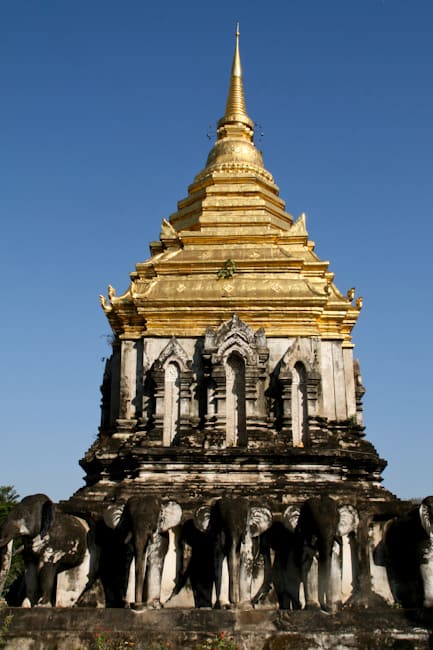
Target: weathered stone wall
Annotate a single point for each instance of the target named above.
(332, 363)
(76, 629)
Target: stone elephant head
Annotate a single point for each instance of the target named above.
(144, 521)
(233, 524)
(52, 542)
(30, 517)
(321, 523)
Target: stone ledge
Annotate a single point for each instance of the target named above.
(260, 629)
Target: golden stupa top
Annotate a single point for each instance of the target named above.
(235, 130)
(231, 247)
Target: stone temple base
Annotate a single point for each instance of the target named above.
(188, 629)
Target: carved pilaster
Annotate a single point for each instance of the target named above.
(359, 392)
(128, 387)
(313, 386)
(184, 433)
(105, 388)
(139, 381)
(215, 420)
(115, 385)
(258, 429)
(286, 408)
(155, 434)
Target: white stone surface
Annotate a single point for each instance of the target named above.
(72, 583)
(328, 387)
(128, 379)
(349, 379)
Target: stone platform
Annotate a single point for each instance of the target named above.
(188, 629)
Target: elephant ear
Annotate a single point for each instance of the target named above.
(426, 515)
(47, 517)
(202, 518)
(170, 516)
(113, 514)
(259, 520)
(348, 521)
(290, 517)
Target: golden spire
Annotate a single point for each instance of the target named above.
(235, 130)
(236, 110)
(236, 100)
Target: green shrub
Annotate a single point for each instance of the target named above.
(220, 642)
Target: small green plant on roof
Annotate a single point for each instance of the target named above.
(4, 627)
(220, 642)
(227, 270)
(8, 499)
(104, 641)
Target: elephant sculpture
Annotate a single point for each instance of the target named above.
(52, 543)
(321, 526)
(143, 522)
(234, 525)
(284, 573)
(194, 559)
(406, 550)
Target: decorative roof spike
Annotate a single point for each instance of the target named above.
(236, 99)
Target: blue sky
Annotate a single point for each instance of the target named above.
(104, 116)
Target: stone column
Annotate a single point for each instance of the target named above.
(339, 381)
(139, 380)
(316, 430)
(359, 391)
(154, 436)
(185, 403)
(128, 387)
(328, 387)
(215, 421)
(115, 385)
(286, 406)
(349, 377)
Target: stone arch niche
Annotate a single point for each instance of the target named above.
(171, 376)
(235, 362)
(299, 390)
(235, 401)
(171, 403)
(299, 405)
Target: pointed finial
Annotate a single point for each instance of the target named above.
(236, 100)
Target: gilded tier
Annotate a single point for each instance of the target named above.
(231, 247)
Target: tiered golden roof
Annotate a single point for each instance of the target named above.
(232, 248)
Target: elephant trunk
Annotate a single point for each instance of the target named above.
(234, 574)
(324, 575)
(233, 566)
(140, 554)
